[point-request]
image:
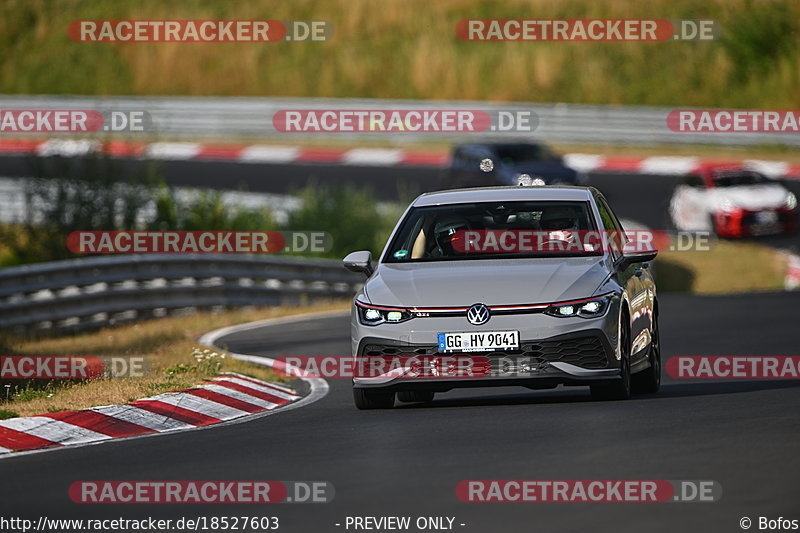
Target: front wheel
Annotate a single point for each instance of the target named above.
(373, 399)
(648, 381)
(621, 388)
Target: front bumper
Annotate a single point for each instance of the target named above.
(741, 223)
(581, 357)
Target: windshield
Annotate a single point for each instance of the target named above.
(519, 153)
(735, 179)
(443, 233)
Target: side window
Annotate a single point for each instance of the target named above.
(611, 223)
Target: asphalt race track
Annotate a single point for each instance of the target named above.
(407, 461)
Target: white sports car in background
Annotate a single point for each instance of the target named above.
(733, 202)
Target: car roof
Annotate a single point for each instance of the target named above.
(562, 193)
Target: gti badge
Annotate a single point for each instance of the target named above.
(478, 314)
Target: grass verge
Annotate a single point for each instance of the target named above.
(731, 267)
(409, 49)
(168, 343)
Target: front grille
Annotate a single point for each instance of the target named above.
(378, 350)
(585, 352)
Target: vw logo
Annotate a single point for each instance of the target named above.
(478, 314)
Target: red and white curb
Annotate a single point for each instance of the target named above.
(227, 152)
(318, 387)
(674, 165)
(227, 397)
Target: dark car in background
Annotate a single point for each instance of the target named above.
(505, 163)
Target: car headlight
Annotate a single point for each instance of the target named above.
(589, 308)
(372, 315)
(791, 201)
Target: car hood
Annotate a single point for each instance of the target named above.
(489, 281)
(750, 197)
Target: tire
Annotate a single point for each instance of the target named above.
(619, 389)
(372, 399)
(648, 381)
(415, 396)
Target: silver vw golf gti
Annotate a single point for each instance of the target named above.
(460, 298)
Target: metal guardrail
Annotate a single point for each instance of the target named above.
(251, 118)
(96, 291)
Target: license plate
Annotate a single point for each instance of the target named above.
(478, 341)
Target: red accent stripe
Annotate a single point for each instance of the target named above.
(440, 309)
(225, 400)
(177, 413)
(793, 171)
(107, 425)
(217, 151)
(323, 155)
(515, 307)
(17, 440)
(490, 307)
(252, 392)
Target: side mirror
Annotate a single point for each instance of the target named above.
(636, 256)
(359, 262)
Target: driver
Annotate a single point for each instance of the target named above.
(560, 224)
(559, 219)
(445, 230)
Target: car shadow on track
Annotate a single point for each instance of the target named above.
(580, 395)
